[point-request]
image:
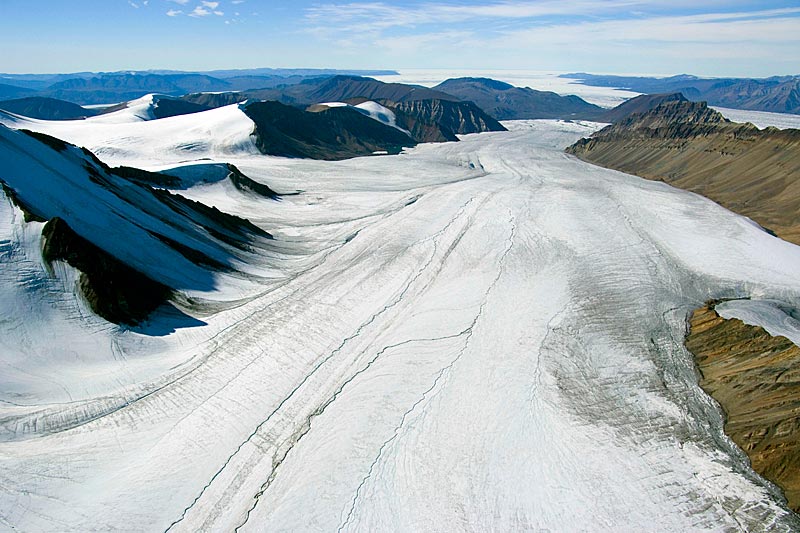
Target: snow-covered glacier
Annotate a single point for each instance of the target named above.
(472, 336)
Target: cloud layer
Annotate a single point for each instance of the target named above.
(546, 34)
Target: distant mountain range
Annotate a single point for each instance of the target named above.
(506, 102)
(779, 94)
(11, 91)
(45, 108)
(106, 88)
(429, 115)
(297, 87)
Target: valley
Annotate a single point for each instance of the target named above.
(492, 310)
(382, 266)
(346, 304)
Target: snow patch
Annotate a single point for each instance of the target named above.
(778, 318)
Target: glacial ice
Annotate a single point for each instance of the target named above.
(471, 336)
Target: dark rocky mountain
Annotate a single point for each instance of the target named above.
(35, 84)
(331, 134)
(430, 115)
(45, 108)
(339, 88)
(8, 92)
(639, 104)
(214, 100)
(756, 95)
(441, 120)
(116, 88)
(150, 82)
(152, 242)
(779, 94)
(753, 172)
(171, 107)
(244, 83)
(506, 102)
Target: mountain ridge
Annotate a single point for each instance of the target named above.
(777, 94)
(331, 134)
(752, 172)
(506, 102)
(179, 243)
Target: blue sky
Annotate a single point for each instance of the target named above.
(713, 37)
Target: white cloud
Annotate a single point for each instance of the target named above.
(237, 2)
(379, 16)
(133, 4)
(199, 12)
(181, 2)
(382, 15)
(584, 34)
(205, 9)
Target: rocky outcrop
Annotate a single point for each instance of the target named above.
(214, 100)
(506, 102)
(441, 120)
(753, 172)
(755, 377)
(246, 184)
(133, 244)
(331, 134)
(165, 180)
(112, 289)
(639, 104)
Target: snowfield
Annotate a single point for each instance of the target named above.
(761, 119)
(472, 336)
(125, 137)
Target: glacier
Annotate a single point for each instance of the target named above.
(482, 335)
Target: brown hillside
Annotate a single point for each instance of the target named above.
(755, 377)
(753, 172)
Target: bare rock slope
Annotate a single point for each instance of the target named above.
(753, 172)
(756, 379)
